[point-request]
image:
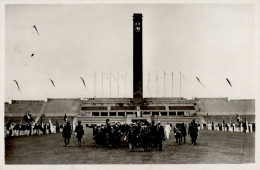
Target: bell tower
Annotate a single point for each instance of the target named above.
(138, 58)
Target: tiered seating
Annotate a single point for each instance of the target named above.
(84, 108)
(176, 119)
(59, 119)
(246, 106)
(61, 106)
(45, 119)
(20, 107)
(181, 108)
(106, 100)
(153, 108)
(123, 108)
(221, 106)
(99, 120)
(15, 119)
(165, 100)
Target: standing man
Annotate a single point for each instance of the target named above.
(183, 132)
(132, 137)
(167, 130)
(159, 136)
(177, 133)
(79, 132)
(153, 133)
(193, 132)
(67, 133)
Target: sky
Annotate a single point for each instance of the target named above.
(180, 42)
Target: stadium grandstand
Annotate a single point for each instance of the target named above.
(97, 110)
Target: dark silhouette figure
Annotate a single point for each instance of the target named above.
(67, 133)
(79, 132)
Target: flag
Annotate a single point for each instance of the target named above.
(83, 82)
(57, 126)
(37, 119)
(8, 124)
(65, 118)
(50, 125)
(18, 86)
(28, 118)
(41, 122)
(52, 82)
(228, 82)
(200, 82)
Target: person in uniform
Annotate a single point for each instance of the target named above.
(132, 137)
(177, 133)
(153, 132)
(183, 132)
(79, 132)
(159, 136)
(167, 130)
(66, 133)
(193, 132)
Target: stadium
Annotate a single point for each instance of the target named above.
(227, 124)
(96, 111)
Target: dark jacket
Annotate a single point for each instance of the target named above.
(193, 129)
(159, 133)
(67, 131)
(80, 131)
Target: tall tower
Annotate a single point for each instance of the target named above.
(138, 58)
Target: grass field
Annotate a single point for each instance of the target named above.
(213, 147)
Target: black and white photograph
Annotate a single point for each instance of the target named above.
(130, 84)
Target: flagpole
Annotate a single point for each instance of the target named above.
(12, 91)
(172, 84)
(157, 84)
(94, 83)
(102, 84)
(110, 84)
(118, 84)
(149, 74)
(125, 82)
(164, 84)
(86, 92)
(180, 84)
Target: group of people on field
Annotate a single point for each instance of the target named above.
(238, 126)
(31, 127)
(143, 134)
(19, 129)
(135, 134)
(180, 132)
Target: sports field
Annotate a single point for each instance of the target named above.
(213, 147)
